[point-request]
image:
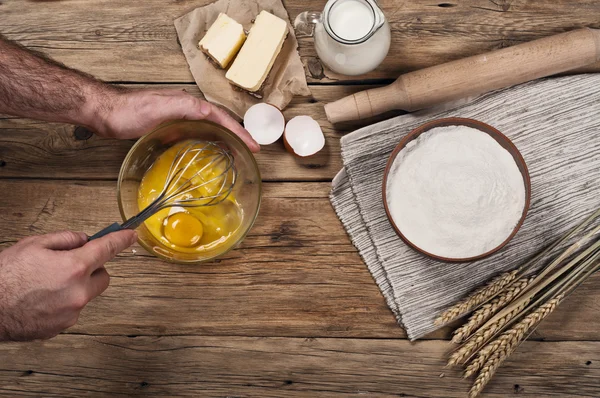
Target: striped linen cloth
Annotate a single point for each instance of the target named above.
(555, 123)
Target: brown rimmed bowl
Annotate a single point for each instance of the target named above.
(499, 138)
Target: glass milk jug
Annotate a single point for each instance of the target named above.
(351, 37)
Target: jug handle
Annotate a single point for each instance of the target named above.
(305, 22)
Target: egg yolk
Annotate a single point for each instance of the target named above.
(191, 229)
(183, 229)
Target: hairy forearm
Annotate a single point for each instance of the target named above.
(34, 86)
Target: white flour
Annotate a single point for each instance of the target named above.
(455, 192)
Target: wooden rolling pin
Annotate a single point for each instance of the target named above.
(472, 76)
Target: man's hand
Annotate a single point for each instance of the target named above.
(35, 86)
(45, 281)
(132, 113)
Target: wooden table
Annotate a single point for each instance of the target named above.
(294, 311)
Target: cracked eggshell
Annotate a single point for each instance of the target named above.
(303, 136)
(264, 122)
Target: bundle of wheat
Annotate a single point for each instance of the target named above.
(510, 306)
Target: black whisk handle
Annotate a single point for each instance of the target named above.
(111, 228)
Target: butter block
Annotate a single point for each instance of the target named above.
(223, 40)
(255, 60)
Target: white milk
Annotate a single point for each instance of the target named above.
(362, 23)
(351, 19)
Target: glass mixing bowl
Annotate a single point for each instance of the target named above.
(147, 149)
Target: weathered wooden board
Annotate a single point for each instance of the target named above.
(136, 41)
(44, 150)
(294, 311)
(75, 366)
(296, 274)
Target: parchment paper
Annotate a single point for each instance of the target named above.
(287, 77)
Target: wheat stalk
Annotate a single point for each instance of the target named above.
(536, 287)
(505, 317)
(489, 309)
(482, 356)
(511, 306)
(482, 336)
(478, 297)
(571, 249)
(496, 285)
(489, 291)
(508, 342)
(566, 286)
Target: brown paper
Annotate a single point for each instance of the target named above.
(287, 77)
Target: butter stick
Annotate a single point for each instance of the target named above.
(223, 40)
(255, 60)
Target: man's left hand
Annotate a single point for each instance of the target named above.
(126, 114)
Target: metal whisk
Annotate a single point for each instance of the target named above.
(184, 191)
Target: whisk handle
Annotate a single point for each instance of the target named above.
(132, 223)
(111, 228)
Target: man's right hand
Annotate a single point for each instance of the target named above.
(46, 280)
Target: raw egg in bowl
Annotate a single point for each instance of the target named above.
(182, 233)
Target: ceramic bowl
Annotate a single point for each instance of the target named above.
(499, 138)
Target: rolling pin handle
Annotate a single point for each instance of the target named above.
(473, 76)
(342, 110)
(368, 103)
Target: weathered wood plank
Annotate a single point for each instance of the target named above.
(296, 274)
(74, 366)
(136, 41)
(45, 150)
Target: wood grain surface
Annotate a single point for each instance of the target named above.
(71, 366)
(140, 34)
(296, 274)
(292, 312)
(51, 150)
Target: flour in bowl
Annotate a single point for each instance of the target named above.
(455, 192)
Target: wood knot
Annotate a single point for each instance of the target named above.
(313, 166)
(285, 229)
(504, 5)
(82, 134)
(2, 163)
(518, 389)
(315, 68)
(504, 43)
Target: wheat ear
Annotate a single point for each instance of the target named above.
(482, 336)
(482, 357)
(476, 298)
(508, 343)
(488, 310)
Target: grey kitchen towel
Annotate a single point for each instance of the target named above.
(554, 122)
